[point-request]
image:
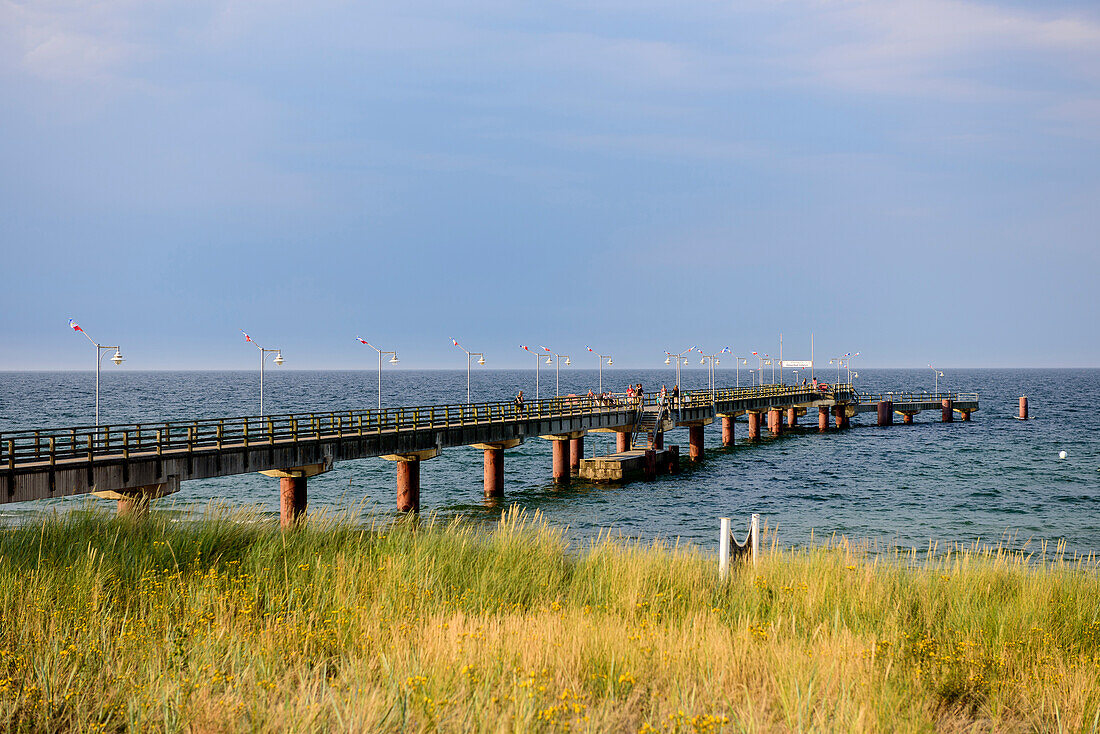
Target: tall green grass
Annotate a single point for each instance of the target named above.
(229, 624)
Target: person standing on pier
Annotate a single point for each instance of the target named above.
(630, 395)
(519, 403)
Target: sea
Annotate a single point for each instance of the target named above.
(995, 479)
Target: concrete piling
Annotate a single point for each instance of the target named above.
(659, 440)
(695, 443)
(622, 442)
(792, 417)
(822, 419)
(775, 421)
(907, 419)
(408, 485)
(727, 430)
(650, 465)
(576, 453)
(494, 472)
(561, 460)
(885, 412)
(1023, 408)
(292, 500)
(947, 413)
(754, 426)
(965, 415)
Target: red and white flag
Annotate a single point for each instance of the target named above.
(545, 349)
(361, 340)
(76, 326)
(524, 348)
(455, 341)
(247, 338)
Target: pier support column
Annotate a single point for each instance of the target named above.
(907, 419)
(839, 416)
(947, 414)
(754, 426)
(965, 415)
(727, 430)
(695, 443)
(650, 465)
(792, 417)
(822, 418)
(494, 465)
(622, 442)
(672, 456)
(659, 440)
(885, 412)
(775, 421)
(134, 502)
(408, 486)
(292, 490)
(576, 453)
(408, 477)
(561, 461)
(1023, 408)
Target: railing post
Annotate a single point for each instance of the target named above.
(160, 447)
(125, 444)
(220, 434)
(724, 548)
(755, 530)
(37, 446)
(90, 450)
(245, 434)
(53, 454)
(271, 431)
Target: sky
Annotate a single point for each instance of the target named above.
(916, 180)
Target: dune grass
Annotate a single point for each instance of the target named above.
(228, 624)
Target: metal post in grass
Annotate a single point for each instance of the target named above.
(724, 549)
(755, 532)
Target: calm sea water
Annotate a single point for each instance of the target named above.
(901, 485)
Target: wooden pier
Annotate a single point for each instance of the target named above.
(136, 463)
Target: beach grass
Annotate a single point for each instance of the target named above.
(229, 624)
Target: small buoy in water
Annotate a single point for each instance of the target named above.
(1062, 454)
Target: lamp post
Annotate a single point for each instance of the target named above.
(393, 360)
(714, 362)
(99, 350)
(737, 362)
(538, 363)
(557, 366)
(469, 354)
(600, 358)
(669, 356)
(263, 358)
(938, 376)
(760, 366)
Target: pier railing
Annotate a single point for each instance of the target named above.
(918, 397)
(89, 442)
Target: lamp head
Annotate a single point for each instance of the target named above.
(117, 359)
(717, 362)
(549, 360)
(482, 360)
(609, 362)
(394, 359)
(668, 360)
(567, 362)
(279, 358)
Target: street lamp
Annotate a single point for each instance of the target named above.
(600, 359)
(556, 360)
(714, 362)
(938, 376)
(538, 363)
(263, 357)
(670, 356)
(393, 360)
(469, 354)
(99, 350)
(763, 361)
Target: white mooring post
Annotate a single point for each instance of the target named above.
(724, 549)
(755, 532)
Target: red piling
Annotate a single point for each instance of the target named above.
(408, 486)
(494, 472)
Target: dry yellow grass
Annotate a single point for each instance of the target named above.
(229, 625)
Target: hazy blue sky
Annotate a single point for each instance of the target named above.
(917, 180)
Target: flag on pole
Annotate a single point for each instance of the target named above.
(361, 340)
(247, 338)
(545, 349)
(725, 350)
(524, 348)
(455, 341)
(588, 347)
(76, 326)
(754, 354)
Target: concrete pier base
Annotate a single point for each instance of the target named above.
(822, 419)
(965, 415)
(695, 443)
(727, 430)
(792, 417)
(754, 426)
(292, 500)
(907, 419)
(408, 477)
(650, 465)
(622, 442)
(135, 502)
(561, 460)
(629, 465)
(775, 421)
(576, 453)
(408, 486)
(885, 413)
(947, 413)
(1023, 408)
(493, 475)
